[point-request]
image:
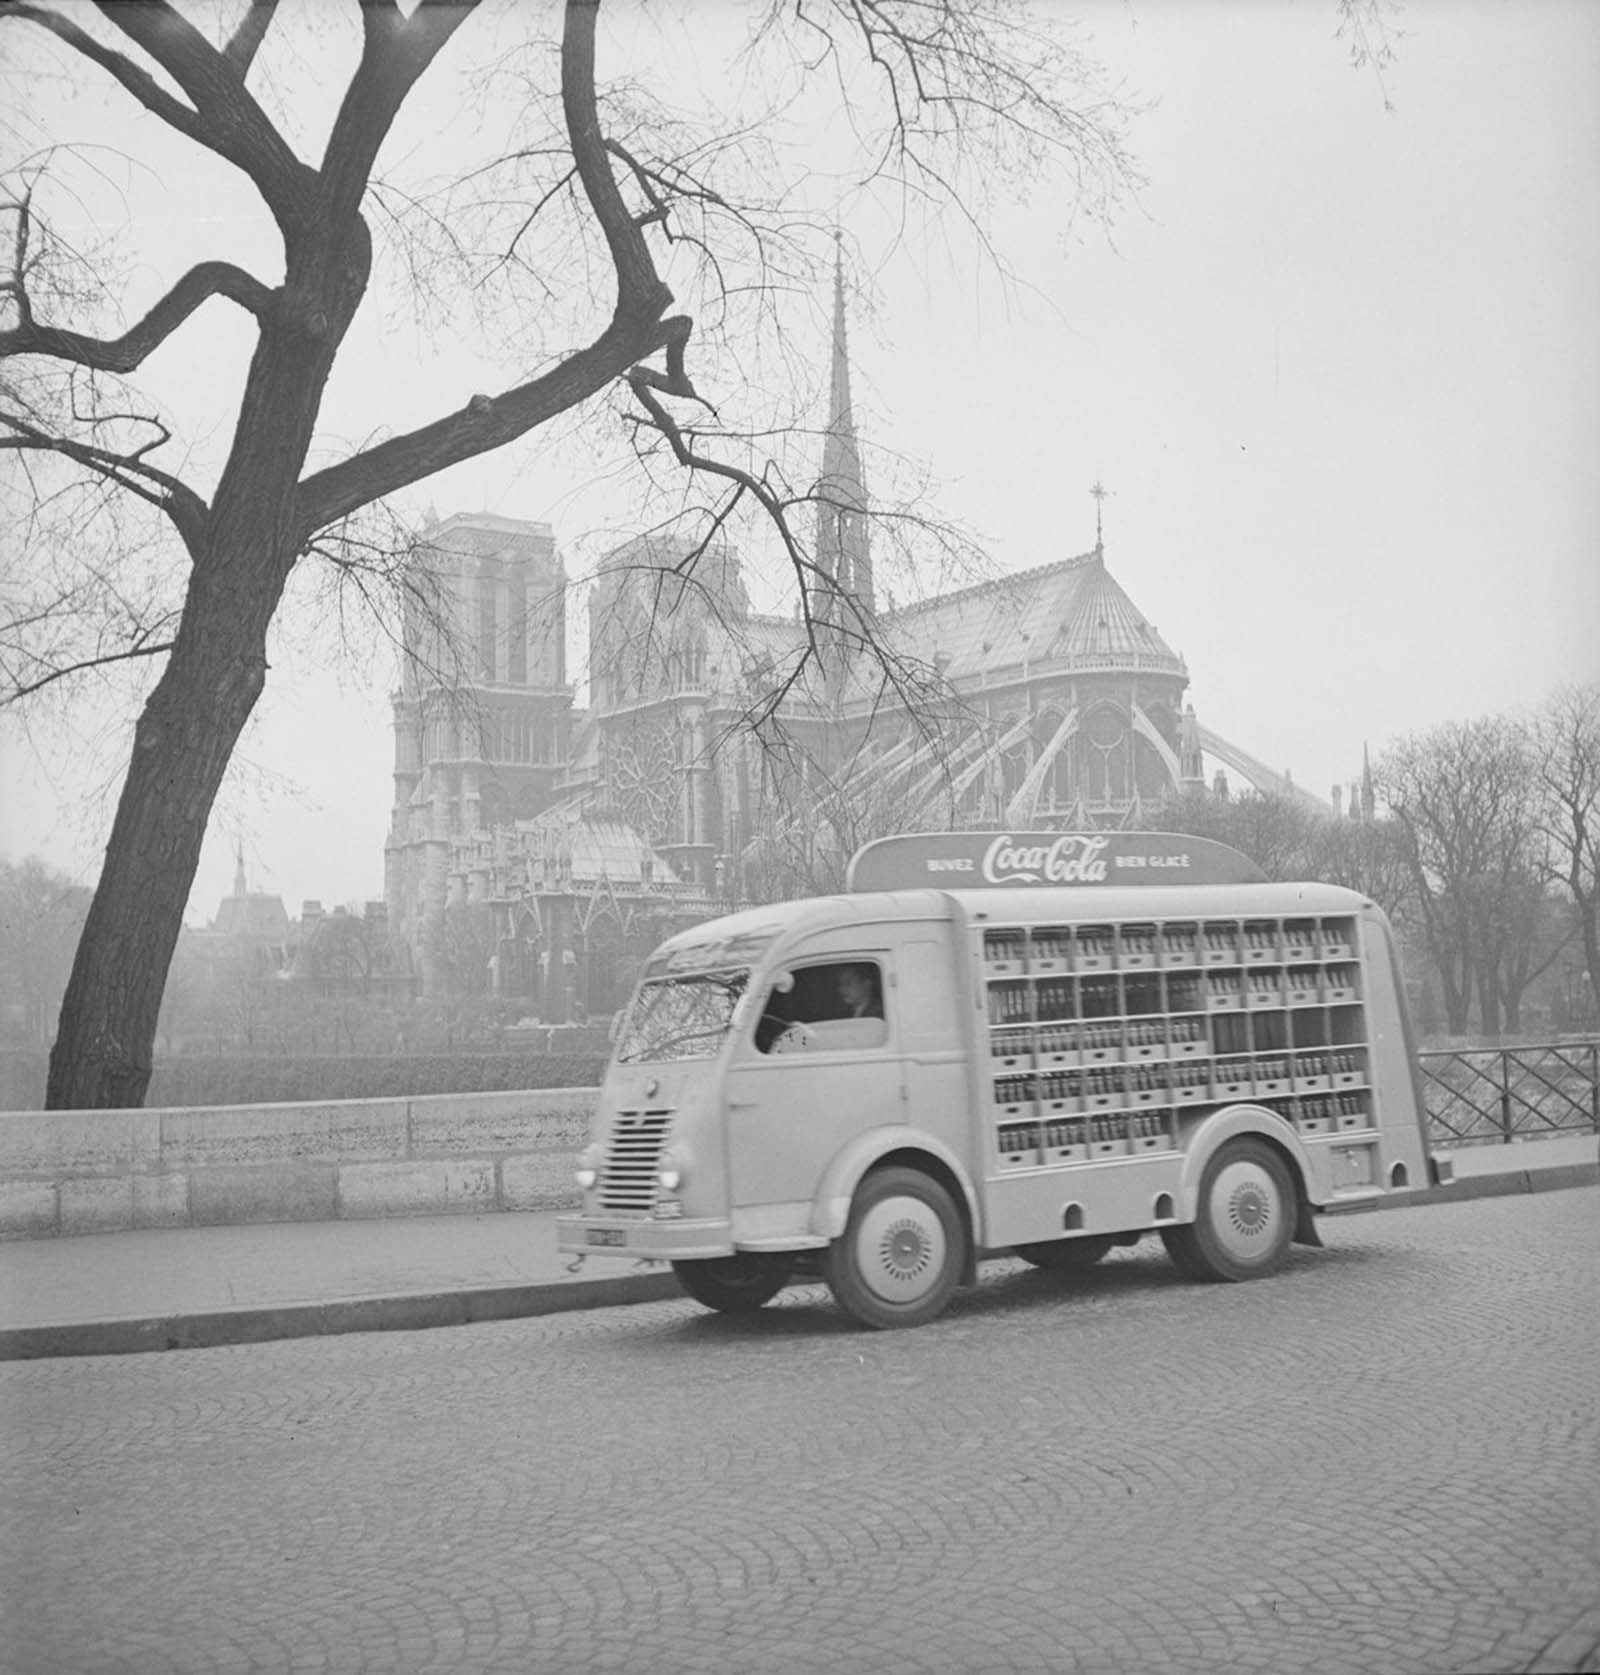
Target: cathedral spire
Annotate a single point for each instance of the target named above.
(239, 887)
(842, 546)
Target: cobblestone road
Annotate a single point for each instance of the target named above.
(1384, 1462)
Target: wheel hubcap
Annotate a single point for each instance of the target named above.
(1248, 1210)
(901, 1245)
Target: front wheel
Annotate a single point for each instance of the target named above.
(902, 1251)
(1066, 1256)
(737, 1284)
(1246, 1216)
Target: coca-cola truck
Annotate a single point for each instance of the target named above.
(1039, 1044)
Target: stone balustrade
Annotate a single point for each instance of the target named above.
(69, 1172)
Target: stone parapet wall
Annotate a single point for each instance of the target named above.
(68, 1172)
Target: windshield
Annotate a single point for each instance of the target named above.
(681, 1017)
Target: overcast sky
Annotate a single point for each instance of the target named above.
(1339, 369)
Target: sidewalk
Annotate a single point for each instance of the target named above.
(189, 1288)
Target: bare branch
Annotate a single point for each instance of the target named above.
(396, 50)
(139, 82)
(128, 352)
(14, 693)
(226, 117)
(127, 470)
(635, 331)
(240, 52)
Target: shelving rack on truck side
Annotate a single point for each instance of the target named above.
(1047, 1043)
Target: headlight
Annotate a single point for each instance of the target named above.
(588, 1170)
(673, 1169)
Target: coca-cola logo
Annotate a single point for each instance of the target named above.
(1070, 859)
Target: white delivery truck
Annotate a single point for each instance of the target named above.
(1039, 1043)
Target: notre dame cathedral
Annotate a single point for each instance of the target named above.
(538, 850)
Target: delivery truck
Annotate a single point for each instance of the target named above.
(1040, 1044)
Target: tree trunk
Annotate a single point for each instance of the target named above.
(1457, 994)
(1488, 1000)
(181, 749)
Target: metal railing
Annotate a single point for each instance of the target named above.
(1512, 1093)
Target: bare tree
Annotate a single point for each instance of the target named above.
(1566, 765)
(41, 917)
(1461, 799)
(1276, 832)
(946, 97)
(1365, 855)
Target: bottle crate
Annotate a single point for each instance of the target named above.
(1056, 1044)
(1012, 1097)
(1145, 1084)
(1049, 949)
(1334, 940)
(1017, 1145)
(1310, 1072)
(1219, 945)
(1186, 1037)
(1092, 947)
(1052, 998)
(1144, 1039)
(1010, 1002)
(1100, 1043)
(1060, 1092)
(1314, 1114)
(1190, 1082)
(1301, 986)
(1108, 1136)
(1299, 941)
(1100, 1091)
(1263, 987)
(1231, 1078)
(1350, 1111)
(1011, 1049)
(1272, 1075)
(1347, 1068)
(1338, 985)
(1180, 946)
(1005, 953)
(1136, 947)
(1260, 942)
(1066, 1141)
(1150, 1132)
(1225, 992)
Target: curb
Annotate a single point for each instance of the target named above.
(1516, 1181)
(408, 1312)
(418, 1311)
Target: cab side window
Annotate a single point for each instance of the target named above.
(831, 1007)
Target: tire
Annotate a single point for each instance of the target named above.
(902, 1252)
(737, 1284)
(1066, 1256)
(1246, 1216)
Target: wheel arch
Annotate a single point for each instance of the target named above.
(881, 1149)
(1254, 1122)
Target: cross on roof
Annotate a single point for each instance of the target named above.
(1099, 491)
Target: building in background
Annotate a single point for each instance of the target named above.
(538, 850)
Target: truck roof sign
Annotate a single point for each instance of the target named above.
(988, 860)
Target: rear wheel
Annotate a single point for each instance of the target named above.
(1246, 1216)
(1066, 1256)
(737, 1284)
(902, 1251)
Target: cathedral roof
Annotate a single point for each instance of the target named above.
(1071, 615)
(255, 915)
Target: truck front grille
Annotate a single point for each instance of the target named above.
(628, 1175)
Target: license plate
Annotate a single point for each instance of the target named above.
(608, 1236)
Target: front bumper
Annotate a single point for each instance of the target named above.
(665, 1241)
